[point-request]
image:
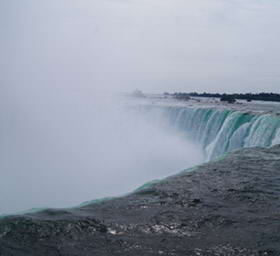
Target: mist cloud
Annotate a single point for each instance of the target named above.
(61, 62)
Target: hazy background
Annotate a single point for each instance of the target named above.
(154, 45)
(62, 153)
(64, 138)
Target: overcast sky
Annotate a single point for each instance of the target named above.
(153, 45)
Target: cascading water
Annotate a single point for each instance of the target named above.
(218, 131)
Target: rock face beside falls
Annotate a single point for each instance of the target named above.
(227, 207)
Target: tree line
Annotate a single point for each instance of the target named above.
(240, 96)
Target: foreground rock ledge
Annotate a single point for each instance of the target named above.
(227, 207)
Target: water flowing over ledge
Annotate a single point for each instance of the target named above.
(218, 131)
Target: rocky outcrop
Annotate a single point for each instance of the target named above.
(227, 207)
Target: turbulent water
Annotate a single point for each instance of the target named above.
(218, 131)
(217, 209)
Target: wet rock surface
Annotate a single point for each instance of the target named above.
(227, 207)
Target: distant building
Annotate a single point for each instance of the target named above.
(137, 93)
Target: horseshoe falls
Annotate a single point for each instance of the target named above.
(218, 131)
(130, 143)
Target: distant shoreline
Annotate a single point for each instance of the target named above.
(274, 97)
(255, 107)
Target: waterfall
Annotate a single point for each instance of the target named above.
(218, 131)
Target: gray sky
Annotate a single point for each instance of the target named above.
(153, 45)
